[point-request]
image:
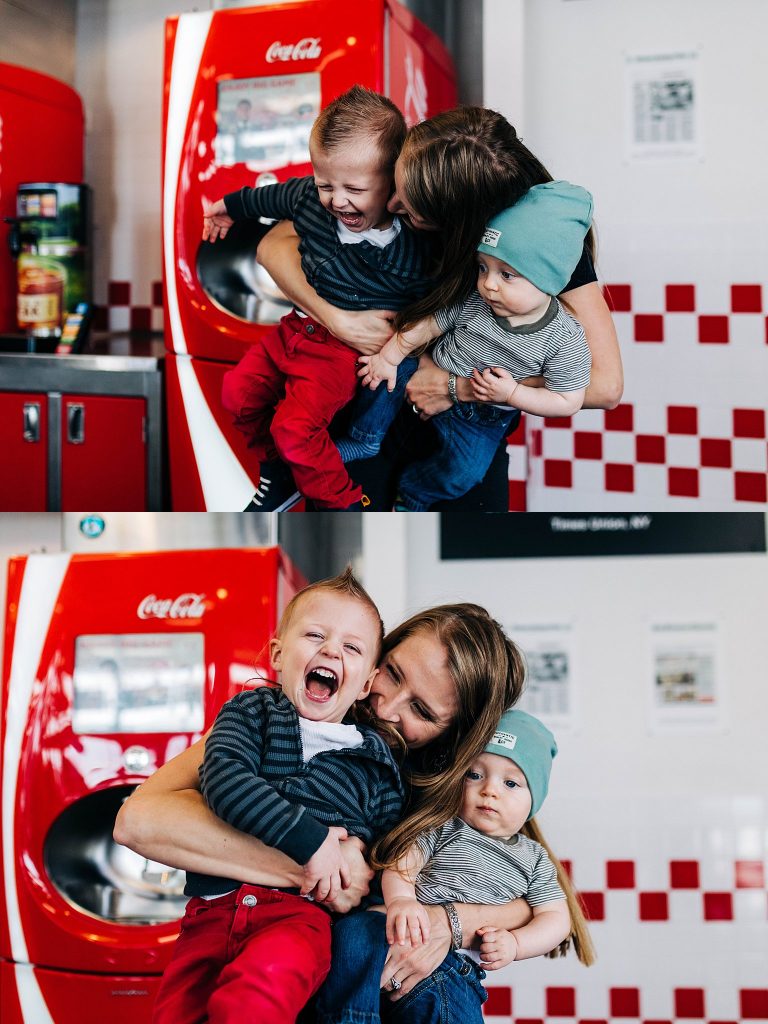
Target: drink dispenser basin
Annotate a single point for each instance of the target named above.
(234, 281)
(100, 877)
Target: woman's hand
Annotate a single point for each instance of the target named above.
(411, 964)
(428, 388)
(360, 875)
(366, 330)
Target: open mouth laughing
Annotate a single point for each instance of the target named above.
(320, 684)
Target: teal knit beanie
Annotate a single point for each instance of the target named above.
(542, 235)
(529, 743)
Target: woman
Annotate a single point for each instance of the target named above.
(445, 677)
(455, 172)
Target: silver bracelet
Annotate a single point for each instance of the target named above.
(452, 392)
(453, 919)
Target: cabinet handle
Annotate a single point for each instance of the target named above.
(75, 423)
(32, 422)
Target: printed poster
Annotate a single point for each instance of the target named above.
(550, 661)
(686, 689)
(662, 106)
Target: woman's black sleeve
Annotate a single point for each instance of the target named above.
(584, 272)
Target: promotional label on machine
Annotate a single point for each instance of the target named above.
(305, 49)
(40, 299)
(185, 606)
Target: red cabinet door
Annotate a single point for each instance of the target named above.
(23, 451)
(103, 454)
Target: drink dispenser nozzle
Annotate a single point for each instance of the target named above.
(14, 237)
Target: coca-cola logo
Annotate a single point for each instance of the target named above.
(185, 606)
(305, 49)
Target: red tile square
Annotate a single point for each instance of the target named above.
(620, 418)
(558, 422)
(683, 483)
(499, 1001)
(157, 293)
(718, 906)
(558, 473)
(649, 448)
(713, 330)
(620, 874)
(749, 423)
(750, 487)
(684, 874)
(681, 298)
(594, 905)
(584, 1020)
(141, 318)
(689, 1002)
(754, 1003)
(517, 436)
(518, 500)
(682, 419)
(525, 1020)
(746, 298)
(537, 437)
(119, 293)
(560, 1002)
(664, 1022)
(750, 874)
(624, 1002)
(587, 445)
(654, 906)
(619, 478)
(567, 867)
(649, 327)
(715, 452)
(618, 297)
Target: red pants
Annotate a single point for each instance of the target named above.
(235, 963)
(284, 393)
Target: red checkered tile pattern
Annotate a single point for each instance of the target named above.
(624, 1003)
(705, 450)
(122, 314)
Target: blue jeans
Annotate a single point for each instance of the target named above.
(351, 995)
(372, 415)
(470, 433)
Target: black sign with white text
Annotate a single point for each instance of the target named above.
(540, 535)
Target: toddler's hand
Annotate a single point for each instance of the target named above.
(493, 385)
(326, 871)
(497, 948)
(407, 919)
(216, 220)
(375, 369)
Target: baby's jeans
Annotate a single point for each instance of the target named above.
(452, 994)
(372, 415)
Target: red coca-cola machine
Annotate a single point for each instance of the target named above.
(112, 665)
(41, 139)
(242, 89)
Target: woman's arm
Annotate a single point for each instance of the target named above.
(365, 331)
(166, 819)
(606, 384)
(414, 963)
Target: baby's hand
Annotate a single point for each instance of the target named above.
(493, 385)
(326, 871)
(497, 948)
(375, 369)
(407, 919)
(216, 220)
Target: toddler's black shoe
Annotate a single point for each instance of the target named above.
(276, 491)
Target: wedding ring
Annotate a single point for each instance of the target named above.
(394, 984)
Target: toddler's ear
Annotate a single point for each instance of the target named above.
(275, 653)
(367, 685)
